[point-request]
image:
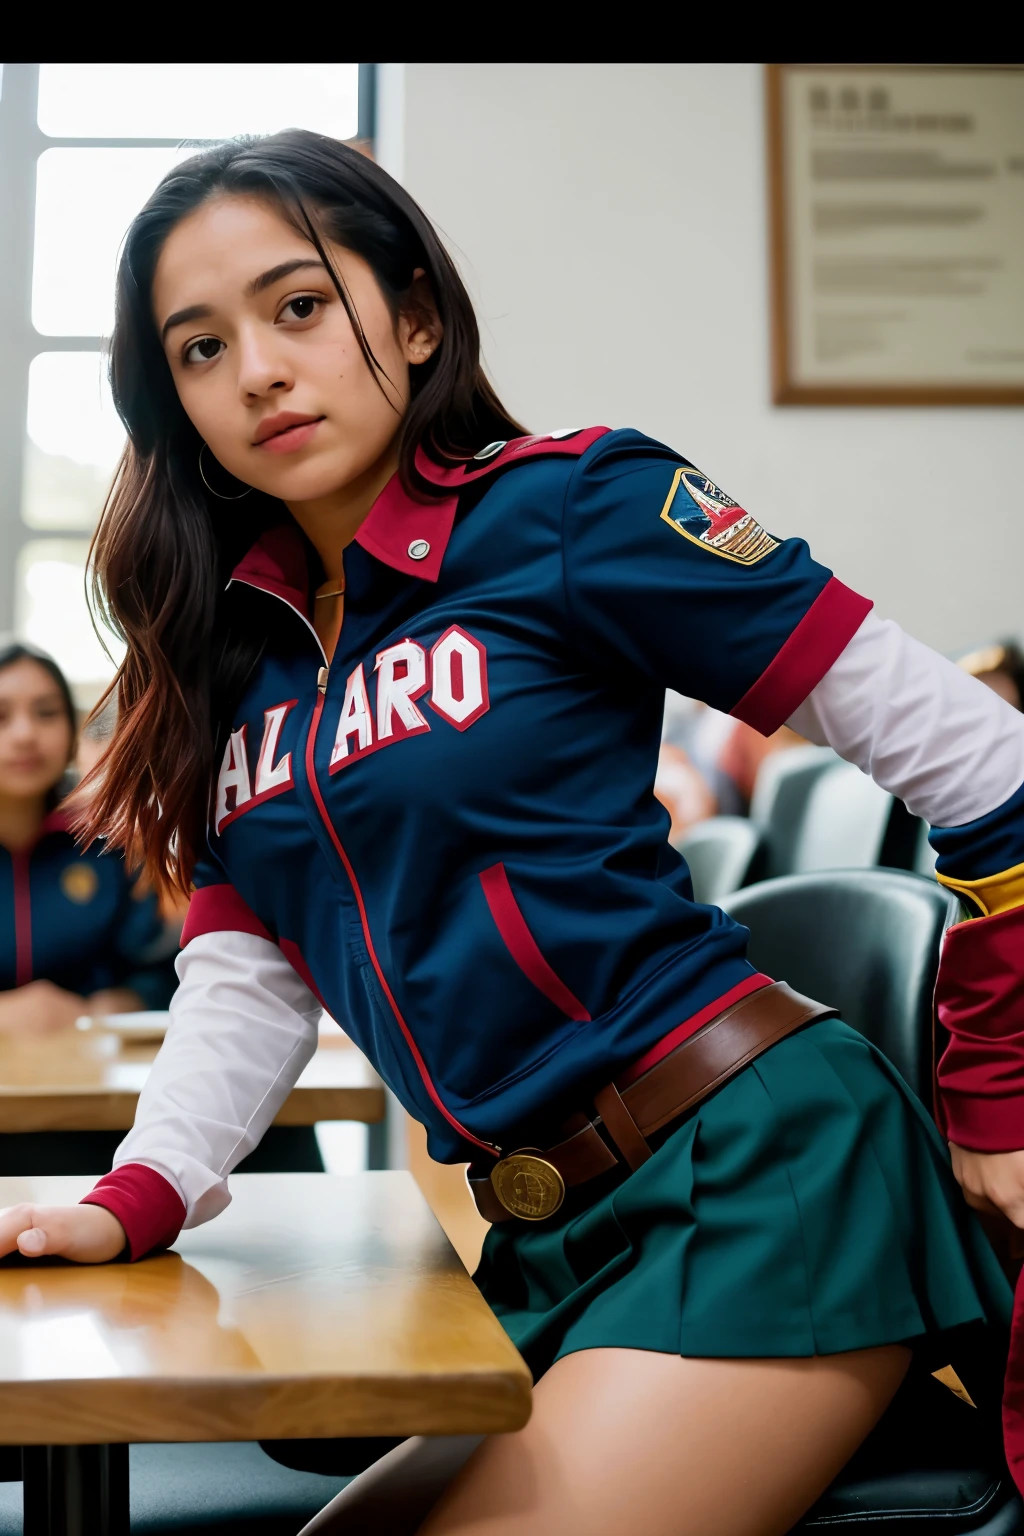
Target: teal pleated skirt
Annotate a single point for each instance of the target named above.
(806, 1208)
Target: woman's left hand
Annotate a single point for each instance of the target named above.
(992, 1182)
(38, 1008)
(113, 1000)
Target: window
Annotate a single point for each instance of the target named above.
(81, 148)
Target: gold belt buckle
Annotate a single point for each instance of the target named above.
(528, 1185)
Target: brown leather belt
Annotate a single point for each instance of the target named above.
(531, 1183)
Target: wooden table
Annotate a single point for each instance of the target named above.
(314, 1306)
(77, 1081)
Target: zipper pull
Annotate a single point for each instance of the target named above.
(321, 680)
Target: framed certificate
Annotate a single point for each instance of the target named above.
(897, 234)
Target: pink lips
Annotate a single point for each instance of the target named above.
(286, 432)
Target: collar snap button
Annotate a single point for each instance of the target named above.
(419, 549)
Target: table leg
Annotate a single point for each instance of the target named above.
(75, 1490)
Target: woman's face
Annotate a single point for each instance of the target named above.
(35, 733)
(265, 359)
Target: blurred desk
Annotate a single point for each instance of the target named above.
(313, 1306)
(91, 1081)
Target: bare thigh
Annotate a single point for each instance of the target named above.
(623, 1440)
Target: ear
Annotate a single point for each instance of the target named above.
(419, 325)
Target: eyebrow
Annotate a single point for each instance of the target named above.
(283, 269)
(265, 280)
(184, 316)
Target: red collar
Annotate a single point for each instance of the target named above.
(408, 533)
(396, 524)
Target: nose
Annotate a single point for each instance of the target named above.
(262, 370)
(22, 727)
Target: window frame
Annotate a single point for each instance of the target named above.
(22, 142)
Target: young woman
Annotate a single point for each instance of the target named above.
(75, 927)
(392, 702)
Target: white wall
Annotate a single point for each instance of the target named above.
(610, 222)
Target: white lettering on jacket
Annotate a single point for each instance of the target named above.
(233, 780)
(355, 721)
(458, 678)
(401, 677)
(234, 790)
(271, 775)
(452, 679)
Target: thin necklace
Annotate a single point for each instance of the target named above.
(338, 592)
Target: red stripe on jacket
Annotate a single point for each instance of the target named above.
(820, 638)
(522, 946)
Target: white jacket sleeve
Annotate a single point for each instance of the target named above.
(949, 747)
(243, 1026)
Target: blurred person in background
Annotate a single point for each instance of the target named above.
(709, 761)
(77, 931)
(1001, 668)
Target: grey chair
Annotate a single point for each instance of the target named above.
(817, 812)
(844, 823)
(784, 784)
(867, 941)
(721, 854)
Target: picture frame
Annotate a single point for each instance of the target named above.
(896, 232)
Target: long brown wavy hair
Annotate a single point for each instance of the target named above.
(164, 547)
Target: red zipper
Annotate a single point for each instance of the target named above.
(22, 918)
(343, 856)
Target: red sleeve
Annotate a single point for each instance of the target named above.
(147, 1206)
(979, 1000)
(219, 909)
(819, 639)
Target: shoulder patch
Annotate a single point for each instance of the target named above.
(700, 510)
(571, 442)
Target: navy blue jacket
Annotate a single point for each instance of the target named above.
(455, 841)
(77, 919)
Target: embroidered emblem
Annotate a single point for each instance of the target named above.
(701, 511)
(79, 882)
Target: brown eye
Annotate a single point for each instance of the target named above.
(203, 350)
(302, 308)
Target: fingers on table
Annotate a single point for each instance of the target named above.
(86, 1233)
(20, 1224)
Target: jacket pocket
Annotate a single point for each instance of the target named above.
(522, 946)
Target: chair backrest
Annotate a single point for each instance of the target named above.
(925, 857)
(864, 941)
(719, 853)
(784, 784)
(844, 822)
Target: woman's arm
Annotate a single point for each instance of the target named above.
(954, 752)
(243, 1026)
(949, 747)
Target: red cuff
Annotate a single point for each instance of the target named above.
(220, 909)
(979, 1000)
(147, 1206)
(820, 638)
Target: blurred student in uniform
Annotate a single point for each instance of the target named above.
(78, 933)
(709, 762)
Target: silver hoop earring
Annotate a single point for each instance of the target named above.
(219, 494)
